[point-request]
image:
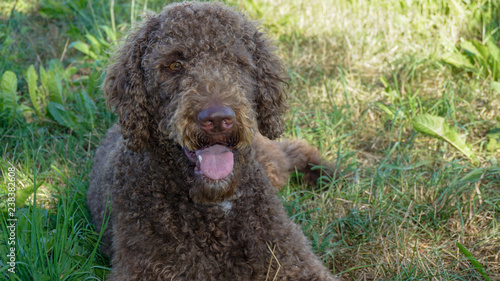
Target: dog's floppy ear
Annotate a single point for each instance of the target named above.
(271, 78)
(125, 87)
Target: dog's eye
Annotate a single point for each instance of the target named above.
(175, 66)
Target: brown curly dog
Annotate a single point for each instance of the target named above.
(178, 175)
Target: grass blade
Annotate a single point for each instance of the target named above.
(473, 261)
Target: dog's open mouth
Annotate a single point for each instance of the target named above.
(214, 162)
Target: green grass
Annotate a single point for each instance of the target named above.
(360, 73)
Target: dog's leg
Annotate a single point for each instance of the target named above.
(274, 160)
(280, 159)
(307, 160)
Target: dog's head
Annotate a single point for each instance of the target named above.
(203, 76)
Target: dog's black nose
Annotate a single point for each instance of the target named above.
(216, 120)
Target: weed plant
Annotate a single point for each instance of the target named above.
(403, 95)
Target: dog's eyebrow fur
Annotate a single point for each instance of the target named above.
(243, 57)
(168, 52)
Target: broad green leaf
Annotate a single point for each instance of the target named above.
(51, 82)
(452, 137)
(87, 103)
(493, 144)
(494, 140)
(494, 58)
(471, 48)
(496, 86)
(8, 90)
(84, 48)
(62, 116)
(59, 114)
(468, 47)
(473, 261)
(80, 46)
(483, 51)
(54, 86)
(94, 42)
(43, 76)
(429, 125)
(24, 193)
(57, 66)
(9, 83)
(33, 90)
(435, 126)
(457, 60)
(27, 112)
(109, 33)
(70, 71)
(494, 50)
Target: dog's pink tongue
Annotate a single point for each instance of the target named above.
(216, 161)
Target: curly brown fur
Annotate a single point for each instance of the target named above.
(187, 198)
(280, 159)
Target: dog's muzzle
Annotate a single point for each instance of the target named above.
(215, 160)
